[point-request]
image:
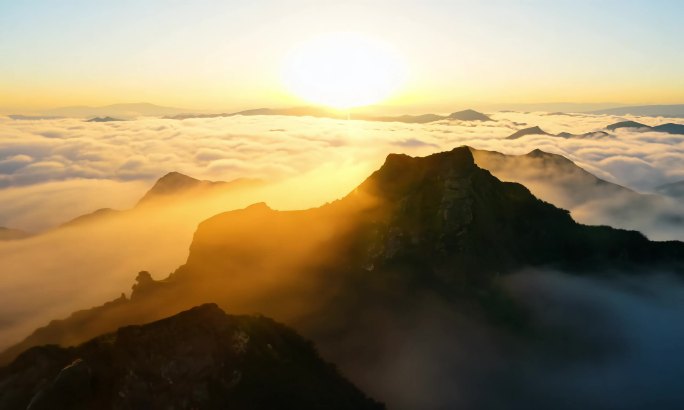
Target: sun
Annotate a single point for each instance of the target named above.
(344, 70)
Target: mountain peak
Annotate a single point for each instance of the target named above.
(536, 130)
(468, 115)
(626, 124)
(459, 156)
(537, 153)
(259, 206)
(171, 183)
(401, 171)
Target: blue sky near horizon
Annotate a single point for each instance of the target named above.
(229, 54)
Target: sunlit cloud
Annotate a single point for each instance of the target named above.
(34, 153)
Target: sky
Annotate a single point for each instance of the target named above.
(225, 55)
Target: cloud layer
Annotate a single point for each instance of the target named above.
(54, 170)
(104, 159)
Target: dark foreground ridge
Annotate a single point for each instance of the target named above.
(200, 358)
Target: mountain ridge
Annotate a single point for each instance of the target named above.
(199, 358)
(318, 112)
(662, 110)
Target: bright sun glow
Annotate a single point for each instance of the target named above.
(344, 70)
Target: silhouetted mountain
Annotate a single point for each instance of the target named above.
(527, 131)
(103, 119)
(8, 234)
(200, 358)
(468, 115)
(626, 124)
(674, 189)
(674, 110)
(437, 224)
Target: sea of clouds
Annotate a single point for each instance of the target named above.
(54, 170)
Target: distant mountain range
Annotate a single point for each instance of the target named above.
(668, 128)
(197, 359)
(673, 110)
(115, 112)
(118, 112)
(465, 115)
(105, 112)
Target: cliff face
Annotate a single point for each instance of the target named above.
(201, 358)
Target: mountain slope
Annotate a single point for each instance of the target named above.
(674, 189)
(200, 358)
(97, 215)
(9, 234)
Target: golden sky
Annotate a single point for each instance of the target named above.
(235, 55)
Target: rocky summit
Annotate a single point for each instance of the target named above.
(198, 359)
